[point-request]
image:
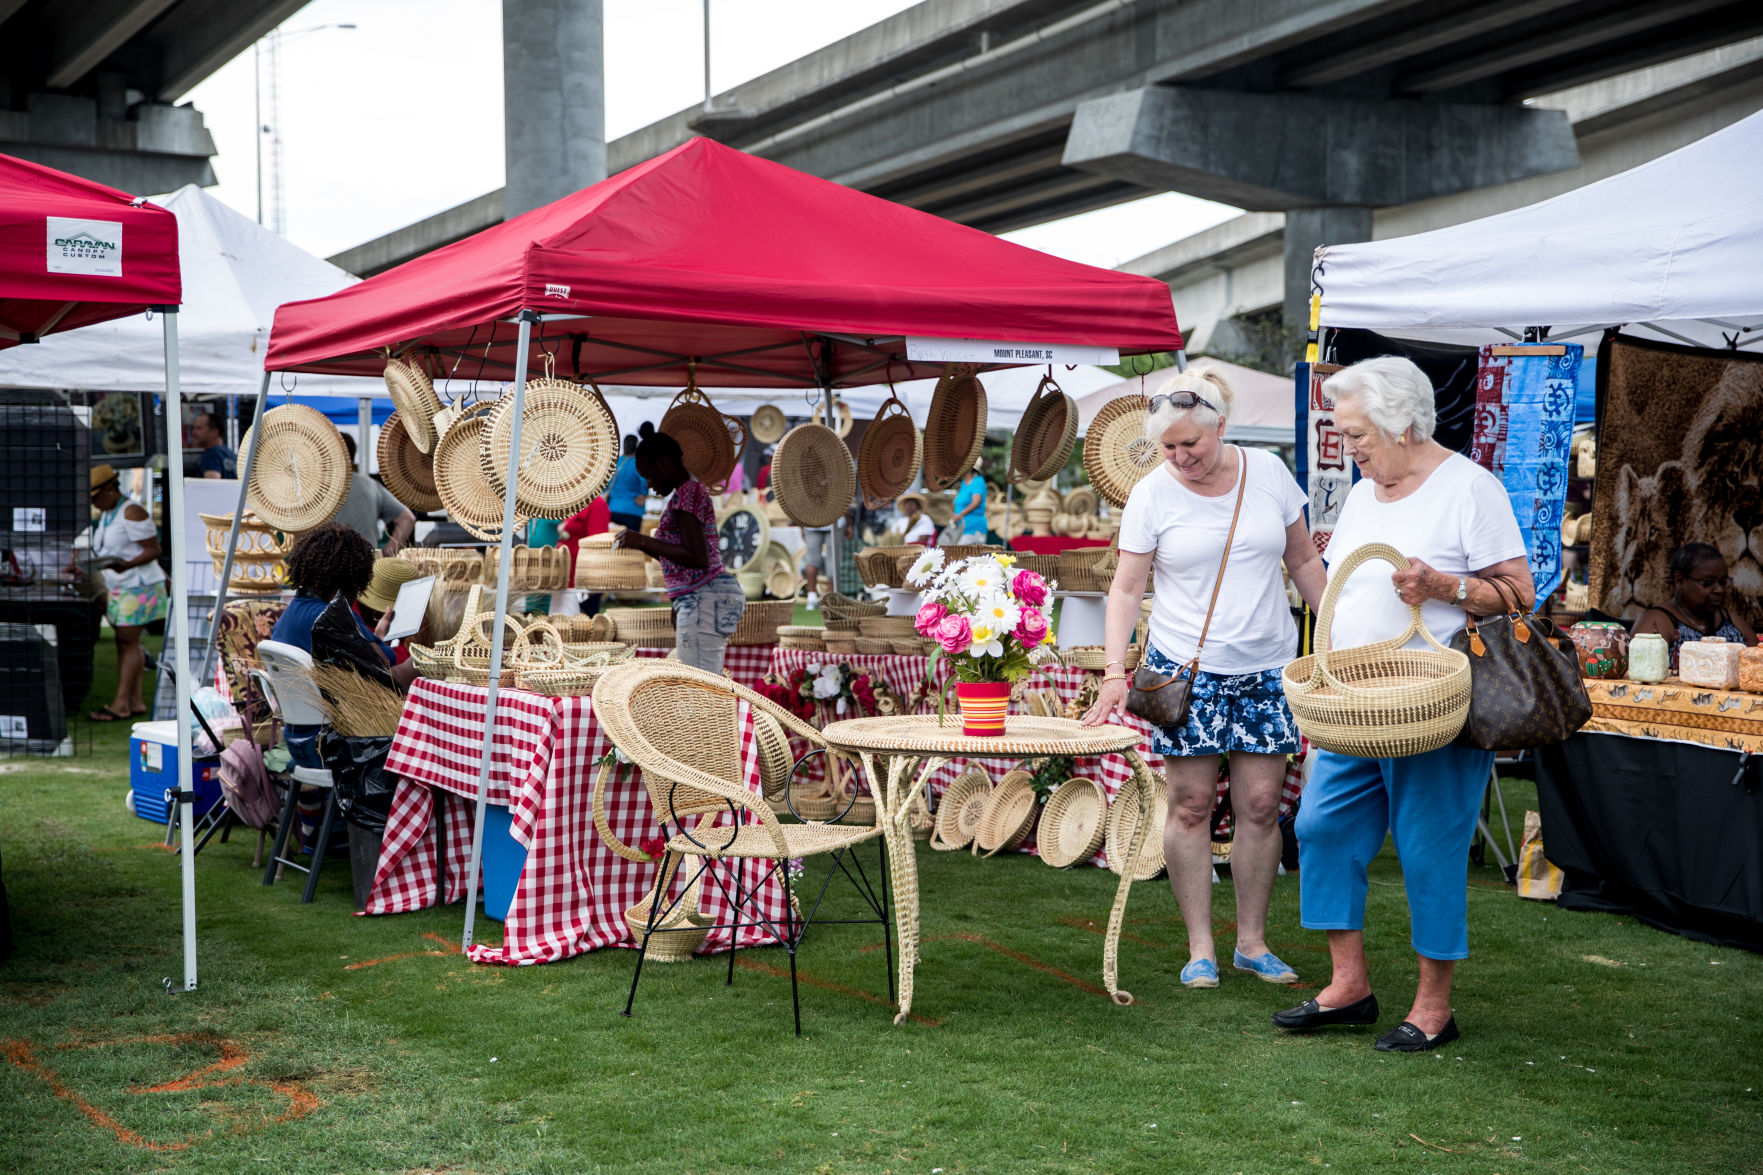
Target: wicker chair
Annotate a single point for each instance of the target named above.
(677, 724)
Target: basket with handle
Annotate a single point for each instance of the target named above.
(1046, 435)
(705, 440)
(1380, 700)
(889, 454)
(954, 428)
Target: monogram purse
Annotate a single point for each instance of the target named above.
(1524, 691)
(1163, 700)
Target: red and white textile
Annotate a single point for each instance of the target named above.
(574, 890)
(743, 664)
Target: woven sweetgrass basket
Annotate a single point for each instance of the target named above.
(705, 441)
(568, 448)
(812, 476)
(470, 499)
(301, 475)
(761, 621)
(1046, 435)
(1009, 815)
(646, 628)
(1123, 816)
(880, 566)
(768, 424)
(809, 637)
(834, 606)
(570, 681)
(954, 429)
(889, 454)
(841, 643)
(887, 627)
(1379, 700)
(1116, 452)
(870, 646)
(413, 394)
(409, 473)
(1073, 823)
(1087, 569)
(602, 568)
(959, 809)
(1095, 657)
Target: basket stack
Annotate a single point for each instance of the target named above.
(808, 637)
(955, 428)
(601, 567)
(259, 559)
(761, 622)
(842, 613)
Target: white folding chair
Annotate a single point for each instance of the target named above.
(293, 698)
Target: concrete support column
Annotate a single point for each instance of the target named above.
(1307, 228)
(554, 100)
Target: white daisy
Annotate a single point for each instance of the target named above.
(987, 640)
(927, 566)
(997, 610)
(981, 577)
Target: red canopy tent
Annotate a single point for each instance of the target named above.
(764, 275)
(73, 252)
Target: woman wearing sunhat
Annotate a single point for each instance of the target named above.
(124, 536)
(920, 530)
(374, 604)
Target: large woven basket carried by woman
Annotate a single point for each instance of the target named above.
(568, 448)
(300, 477)
(1377, 701)
(954, 429)
(812, 476)
(409, 472)
(1046, 435)
(1116, 452)
(889, 454)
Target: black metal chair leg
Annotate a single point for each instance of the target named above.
(322, 846)
(734, 934)
(655, 901)
(282, 827)
(887, 925)
(790, 945)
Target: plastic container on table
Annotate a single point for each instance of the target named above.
(153, 767)
(504, 860)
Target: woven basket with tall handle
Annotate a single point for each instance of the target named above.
(408, 471)
(1116, 451)
(760, 621)
(706, 444)
(301, 476)
(955, 427)
(1073, 823)
(459, 476)
(1377, 701)
(812, 476)
(413, 394)
(568, 448)
(889, 454)
(1046, 435)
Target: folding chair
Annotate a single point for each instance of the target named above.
(287, 684)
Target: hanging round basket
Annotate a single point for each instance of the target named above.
(1080, 502)
(706, 444)
(812, 476)
(568, 448)
(407, 471)
(1116, 453)
(889, 454)
(470, 499)
(954, 429)
(1046, 435)
(767, 425)
(413, 393)
(300, 478)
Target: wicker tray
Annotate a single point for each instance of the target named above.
(1123, 814)
(760, 622)
(1116, 451)
(812, 476)
(889, 454)
(954, 429)
(413, 393)
(1046, 435)
(459, 476)
(565, 682)
(1009, 815)
(408, 471)
(568, 448)
(959, 810)
(1074, 823)
(705, 442)
(300, 478)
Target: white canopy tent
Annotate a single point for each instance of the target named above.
(1672, 249)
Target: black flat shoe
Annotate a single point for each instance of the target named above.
(1310, 1014)
(1406, 1038)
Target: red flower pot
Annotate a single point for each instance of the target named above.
(983, 705)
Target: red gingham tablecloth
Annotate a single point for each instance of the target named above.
(743, 664)
(574, 890)
(904, 673)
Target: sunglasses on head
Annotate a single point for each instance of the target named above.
(1184, 401)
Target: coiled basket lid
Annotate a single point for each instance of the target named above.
(1377, 701)
(413, 393)
(1046, 435)
(470, 499)
(889, 454)
(1116, 452)
(568, 448)
(408, 471)
(300, 478)
(812, 476)
(706, 443)
(955, 427)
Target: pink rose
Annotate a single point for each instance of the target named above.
(928, 616)
(954, 634)
(1031, 630)
(1029, 588)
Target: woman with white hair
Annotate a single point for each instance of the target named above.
(1235, 631)
(1453, 520)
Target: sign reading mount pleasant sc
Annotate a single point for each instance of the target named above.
(931, 350)
(85, 246)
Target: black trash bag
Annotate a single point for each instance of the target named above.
(358, 772)
(339, 640)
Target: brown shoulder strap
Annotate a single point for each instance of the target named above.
(1242, 485)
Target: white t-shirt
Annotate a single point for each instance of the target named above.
(922, 528)
(1252, 627)
(1459, 521)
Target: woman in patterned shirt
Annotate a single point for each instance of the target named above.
(707, 602)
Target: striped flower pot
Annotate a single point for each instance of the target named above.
(983, 704)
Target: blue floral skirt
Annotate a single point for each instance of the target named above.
(1229, 712)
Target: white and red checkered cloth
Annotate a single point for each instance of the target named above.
(744, 664)
(572, 895)
(903, 674)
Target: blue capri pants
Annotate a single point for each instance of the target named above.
(1428, 803)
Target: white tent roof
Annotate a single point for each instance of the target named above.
(1265, 404)
(1673, 248)
(235, 274)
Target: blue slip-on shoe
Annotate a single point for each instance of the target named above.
(1200, 973)
(1268, 967)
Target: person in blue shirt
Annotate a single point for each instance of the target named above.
(970, 506)
(216, 461)
(629, 495)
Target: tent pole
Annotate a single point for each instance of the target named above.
(180, 628)
(522, 352)
(1181, 359)
(364, 431)
(832, 422)
(232, 540)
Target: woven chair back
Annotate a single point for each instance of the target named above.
(697, 728)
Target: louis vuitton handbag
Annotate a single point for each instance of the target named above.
(1524, 691)
(1163, 700)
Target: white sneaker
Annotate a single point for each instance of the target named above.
(813, 601)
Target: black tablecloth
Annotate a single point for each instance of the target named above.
(1658, 830)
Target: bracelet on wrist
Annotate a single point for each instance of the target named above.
(1108, 677)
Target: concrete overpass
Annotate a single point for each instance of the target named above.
(91, 86)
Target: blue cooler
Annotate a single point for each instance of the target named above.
(153, 767)
(504, 859)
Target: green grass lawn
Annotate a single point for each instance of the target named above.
(322, 1042)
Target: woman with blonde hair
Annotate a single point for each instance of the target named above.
(1225, 622)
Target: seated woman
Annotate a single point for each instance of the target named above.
(1697, 607)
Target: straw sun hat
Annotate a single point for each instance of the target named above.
(768, 424)
(389, 574)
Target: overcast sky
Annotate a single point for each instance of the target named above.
(401, 117)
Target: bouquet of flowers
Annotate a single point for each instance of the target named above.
(844, 692)
(987, 616)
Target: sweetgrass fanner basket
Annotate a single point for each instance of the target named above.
(602, 567)
(706, 444)
(1116, 452)
(1046, 435)
(812, 476)
(1381, 700)
(300, 477)
(881, 566)
(1074, 823)
(1009, 815)
(413, 394)
(834, 606)
(954, 428)
(802, 636)
(959, 809)
(568, 448)
(1123, 816)
(889, 454)
(409, 472)
(470, 499)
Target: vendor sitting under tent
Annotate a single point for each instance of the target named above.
(1697, 607)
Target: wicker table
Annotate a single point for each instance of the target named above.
(901, 754)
